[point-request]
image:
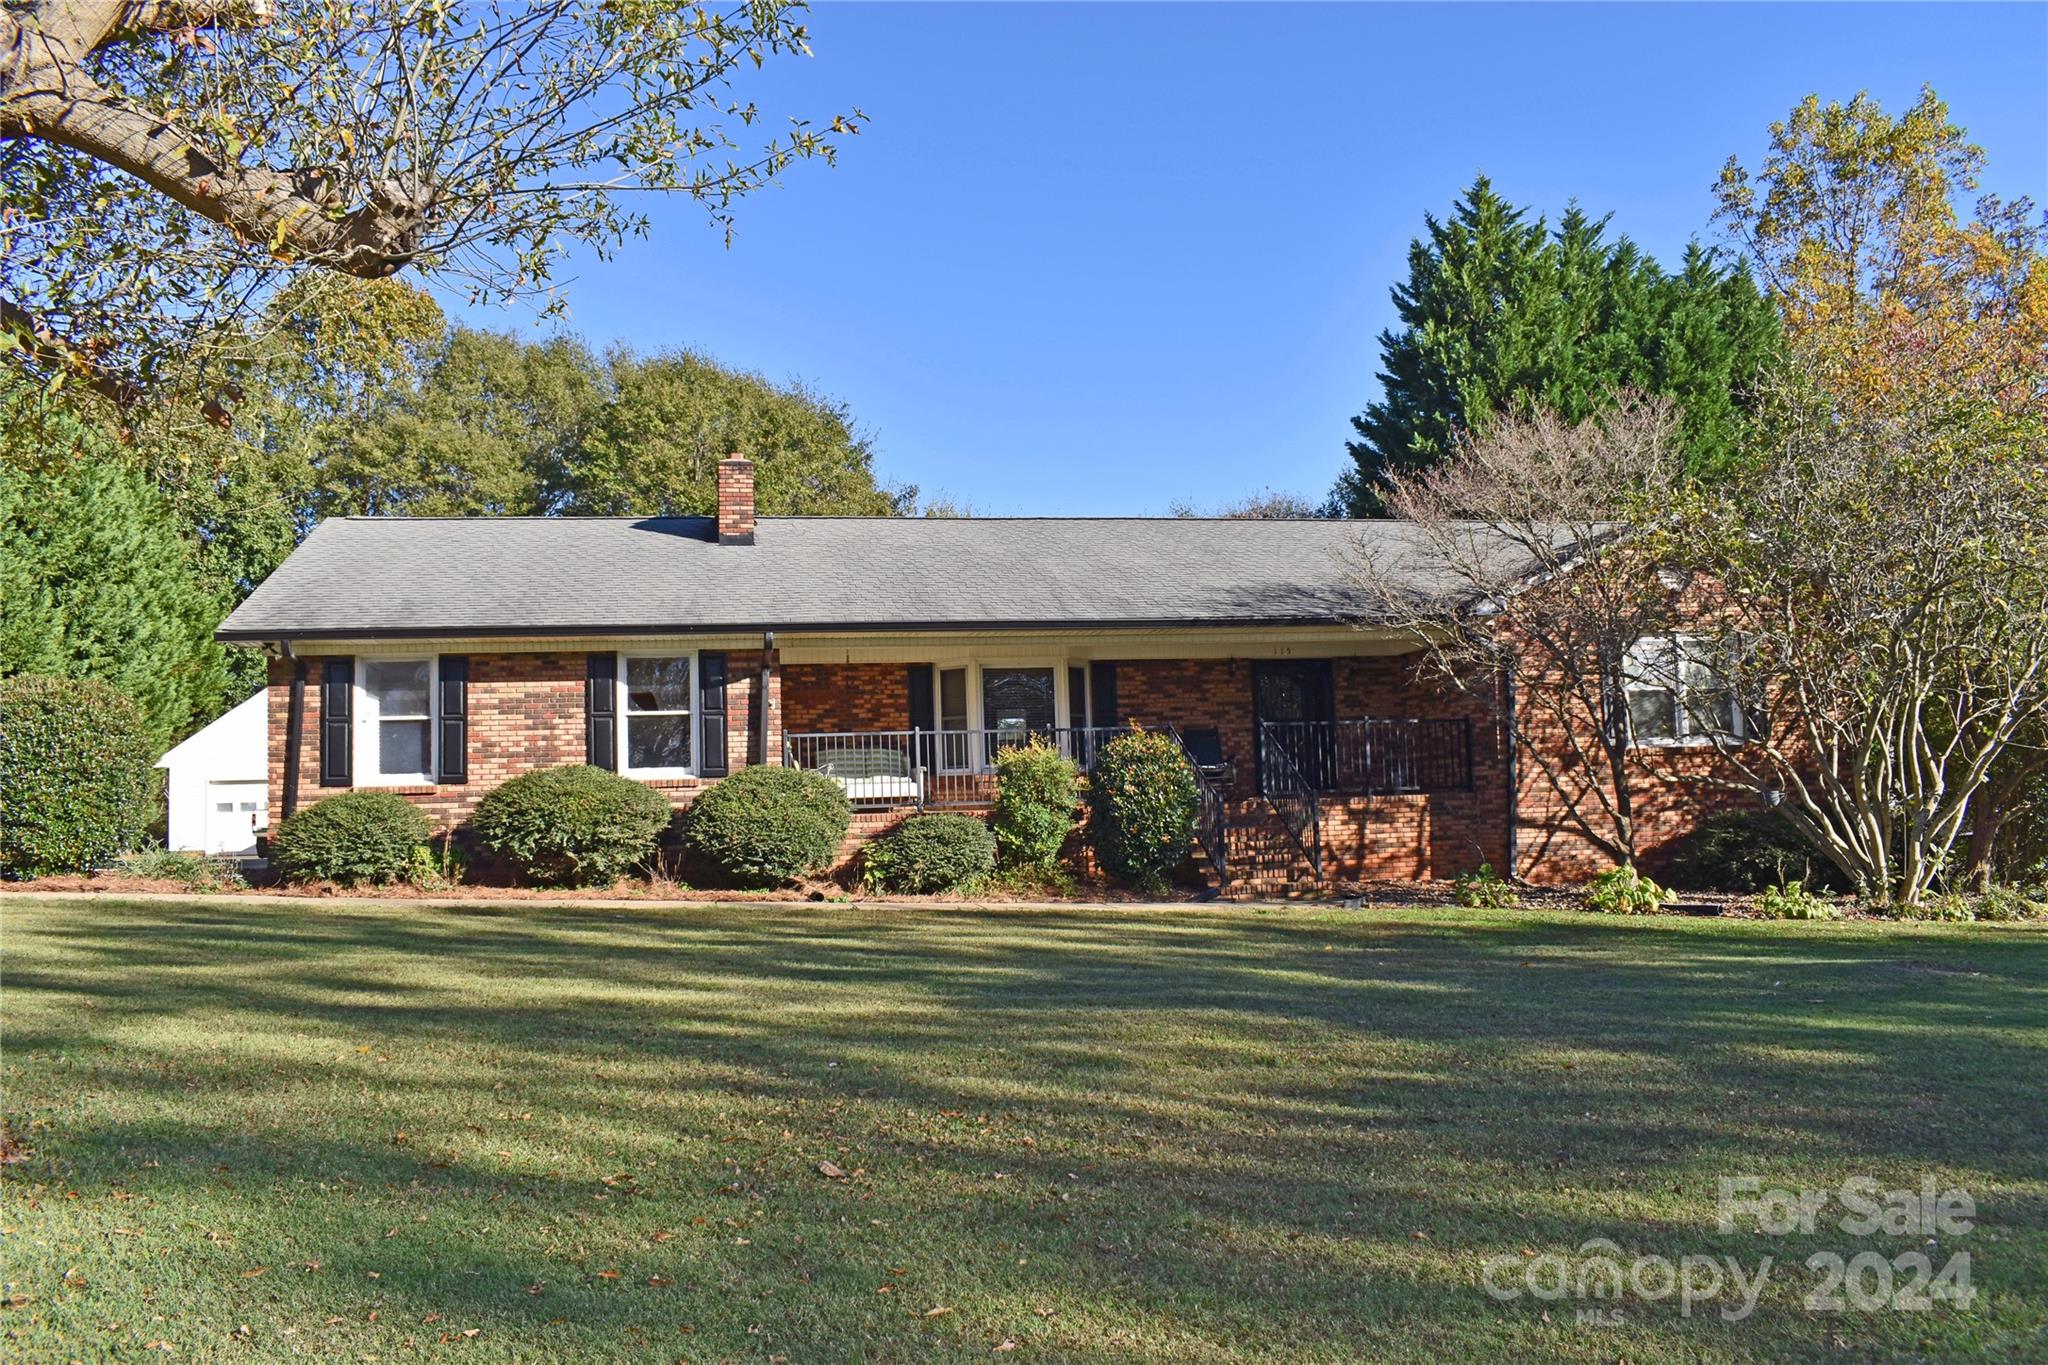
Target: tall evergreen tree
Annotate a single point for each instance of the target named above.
(1500, 313)
(99, 582)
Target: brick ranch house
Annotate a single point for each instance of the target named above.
(438, 657)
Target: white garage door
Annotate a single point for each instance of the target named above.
(234, 812)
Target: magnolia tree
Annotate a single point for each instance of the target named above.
(1887, 577)
(165, 164)
(1521, 577)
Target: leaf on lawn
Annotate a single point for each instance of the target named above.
(937, 1312)
(16, 1301)
(536, 1287)
(398, 1138)
(73, 1278)
(830, 1171)
(659, 1281)
(430, 1319)
(607, 1274)
(1006, 1345)
(664, 1236)
(252, 1274)
(471, 1331)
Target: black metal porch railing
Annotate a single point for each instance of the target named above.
(1292, 796)
(955, 769)
(1212, 814)
(1374, 757)
(929, 769)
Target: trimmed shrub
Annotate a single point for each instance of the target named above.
(1623, 891)
(193, 871)
(1750, 850)
(764, 826)
(1038, 804)
(1142, 807)
(571, 826)
(928, 853)
(1483, 890)
(75, 781)
(351, 838)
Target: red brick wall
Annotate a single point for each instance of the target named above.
(1436, 834)
(525, 712)
(836, 698)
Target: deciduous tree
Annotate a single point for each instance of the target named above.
(166, 164)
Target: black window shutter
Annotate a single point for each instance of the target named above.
(1102, 683)
(337, 714)
(601, 711)
(924, 707)
(454, 720)
(924, 711)
(711, 760)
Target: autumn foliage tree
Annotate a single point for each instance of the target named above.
(1889, 296)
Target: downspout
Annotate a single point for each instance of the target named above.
(294, 729)
(1507, 709)
(761, 693)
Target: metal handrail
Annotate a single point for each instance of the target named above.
(1212, 822)
(1386, 756)
(1292, 797)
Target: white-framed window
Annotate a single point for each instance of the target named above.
(1009, 701)
(657, 709)
(1675, 690)
(395, 721)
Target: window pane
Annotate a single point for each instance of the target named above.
(1649, 663)
(1017, 700)
(1650, 714)
(657, 741)
(401, 747)
(1077, 698)
(399, 687)
(1711, 713)
(952, 699)
(658, 684)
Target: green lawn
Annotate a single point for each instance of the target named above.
(378, 1131)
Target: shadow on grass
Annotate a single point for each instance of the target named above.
(1265, 1119)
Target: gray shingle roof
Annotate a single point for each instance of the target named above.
(373, 576)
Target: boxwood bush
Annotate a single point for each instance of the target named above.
(350, 838)
(571, 826)
(927, 853)
(764, 826)
(1142, 807)
(1038, 803)
(75, 782)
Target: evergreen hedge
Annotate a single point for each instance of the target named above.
(350, 838)
(572, 826)
(76, 787)
(1143, 805)
(764, 826)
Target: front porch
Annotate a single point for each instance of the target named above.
(1310, 770)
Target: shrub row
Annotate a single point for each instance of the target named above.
(766, 826)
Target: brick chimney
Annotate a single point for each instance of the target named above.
(735, 500)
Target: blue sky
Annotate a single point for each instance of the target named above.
(1094, 259)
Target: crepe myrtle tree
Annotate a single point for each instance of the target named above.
(166, 164)
(1887, 575)
(1548, 536)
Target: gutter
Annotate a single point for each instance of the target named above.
(585, 630)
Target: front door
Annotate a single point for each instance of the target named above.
(1296, 697)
